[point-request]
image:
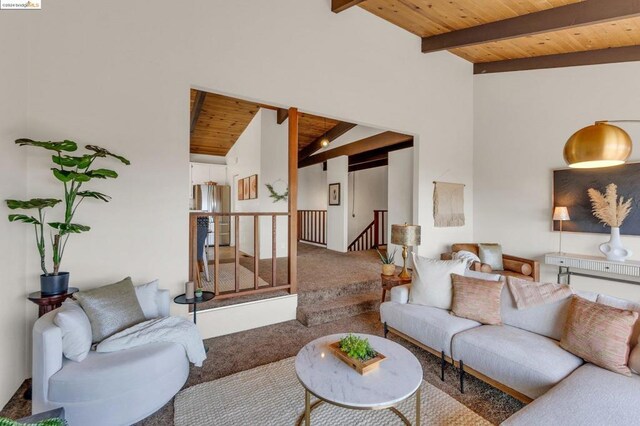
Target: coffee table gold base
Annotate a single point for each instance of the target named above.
(305, 418)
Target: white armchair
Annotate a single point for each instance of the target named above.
(117, 388)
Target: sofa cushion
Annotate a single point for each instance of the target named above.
(431, 281)
(589, 396)
(476, 299)
(101, 375)
(599, 334)
(433, 327)
(546, 320)
(527, 362)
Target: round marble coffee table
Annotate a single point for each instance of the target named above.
(324, 376)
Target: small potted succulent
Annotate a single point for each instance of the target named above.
(388, 266)
(72, 171)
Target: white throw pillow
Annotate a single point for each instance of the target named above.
(76, 330)
(467, 256)
(431, 283)
(146, 294)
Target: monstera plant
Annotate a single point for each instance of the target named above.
(72, 171)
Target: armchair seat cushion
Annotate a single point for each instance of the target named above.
(433, 327)
(589, 396)
(100, 376)
(527, 362)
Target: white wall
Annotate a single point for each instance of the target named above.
(370, 194)
(400, 195)
(274, 169)
(16, 238)
(312, 188)
(337, 216)
(522, 121)
(124, 83)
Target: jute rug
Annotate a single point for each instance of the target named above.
(272, 395)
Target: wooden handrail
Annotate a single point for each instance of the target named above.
(194, 269)
(373, 236)
(312, 226)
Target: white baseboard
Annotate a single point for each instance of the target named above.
(245, 316)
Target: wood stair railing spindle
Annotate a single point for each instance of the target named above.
(216, 255)
(256, 251)
(237, 253)
(274, 250)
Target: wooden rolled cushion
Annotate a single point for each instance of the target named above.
(483, 267)
(446, 256)
(517, 266)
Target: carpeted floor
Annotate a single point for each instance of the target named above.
(248, 349)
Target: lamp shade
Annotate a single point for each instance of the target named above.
(598, 145)
(561, 213)
(405, 235)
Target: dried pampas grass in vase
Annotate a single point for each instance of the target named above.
(611, 211)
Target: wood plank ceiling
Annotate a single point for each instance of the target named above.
(222, 119)
(592, 26)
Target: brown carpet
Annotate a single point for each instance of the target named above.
(248, 349)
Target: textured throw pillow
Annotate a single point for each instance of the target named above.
(599, 334)
(431, 281)
(529, 294)
(147, 298)
(76, 330)
(626, 305)
(111, 308)
(491, 254)
(469, 257)
(477, 299)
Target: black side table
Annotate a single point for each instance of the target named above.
(182, 300)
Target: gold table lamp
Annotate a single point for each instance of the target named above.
(405, 236)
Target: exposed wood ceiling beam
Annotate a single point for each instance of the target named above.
(380, 140)
(589, 57)
(334, 133)
(338, 6)
(197, 108)
(378, 154)
(369, 165)
(282, 115)
(587, 12)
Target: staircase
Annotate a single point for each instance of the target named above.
(374, 235)
(331, 304)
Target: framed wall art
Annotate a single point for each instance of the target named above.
(334, 194)
(253, 187)
(570, 190)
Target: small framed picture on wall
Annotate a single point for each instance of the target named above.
(246, 188)
(253, 186)
(240, 190)
(334, 194)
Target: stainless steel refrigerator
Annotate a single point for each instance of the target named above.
(217, 199)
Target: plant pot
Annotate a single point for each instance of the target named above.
(51, 285)
(614, 249)
(388, 270)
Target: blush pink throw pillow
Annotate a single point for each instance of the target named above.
(599, 334)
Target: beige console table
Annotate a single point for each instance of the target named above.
(624, 272)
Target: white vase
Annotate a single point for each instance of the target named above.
(613, 249)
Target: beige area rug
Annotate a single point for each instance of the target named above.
(272, 395)
(226, 279)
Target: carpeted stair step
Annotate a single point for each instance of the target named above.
(332, 293)
(342, 307)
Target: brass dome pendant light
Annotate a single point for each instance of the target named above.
(599, 145)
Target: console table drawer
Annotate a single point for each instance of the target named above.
(630, 269)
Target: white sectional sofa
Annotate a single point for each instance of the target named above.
(105, 389)
(521, 357)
